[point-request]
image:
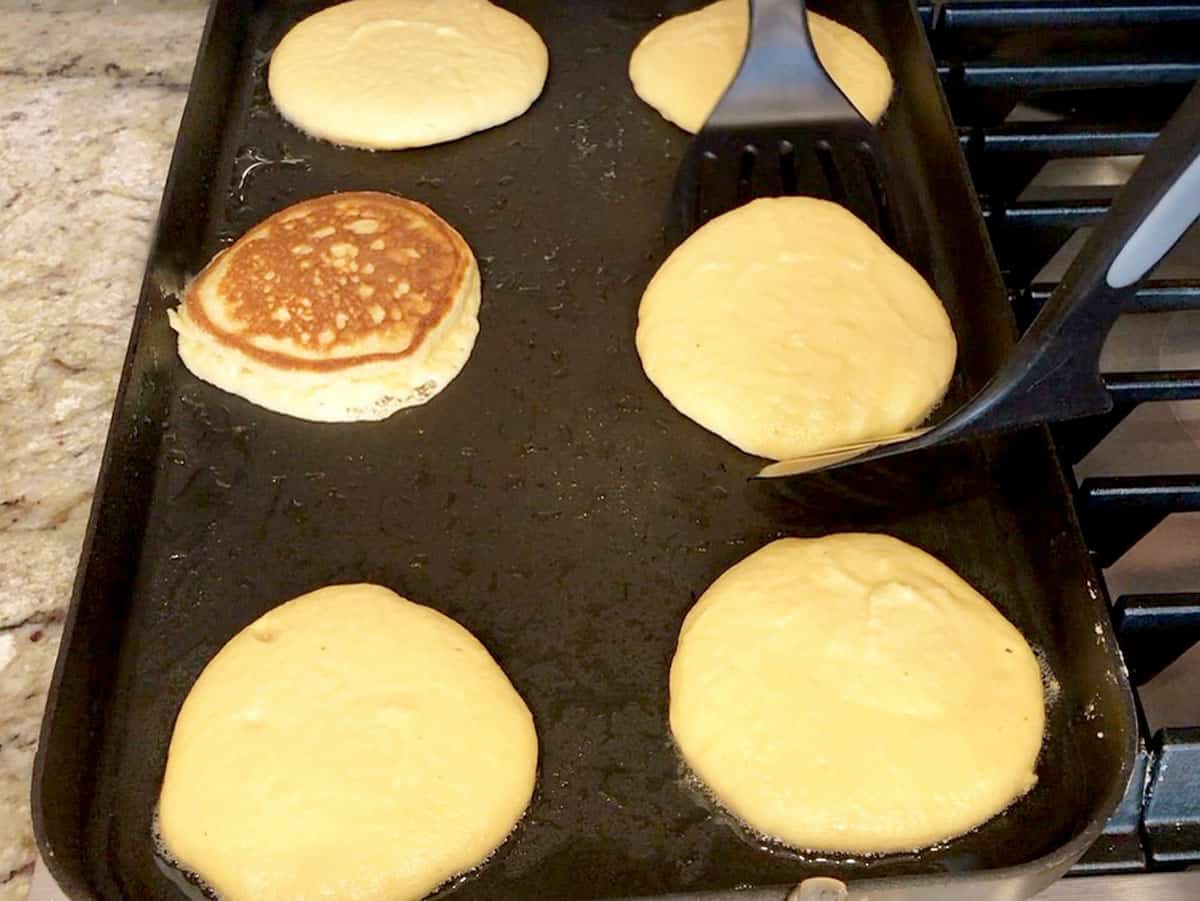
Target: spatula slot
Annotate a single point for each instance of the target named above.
(747, 164)
(829, 170)
(883, 221)
(705, 200)
(787, 167)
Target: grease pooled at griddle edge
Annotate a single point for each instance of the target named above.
(187, 881)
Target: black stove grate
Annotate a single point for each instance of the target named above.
(1030, 82)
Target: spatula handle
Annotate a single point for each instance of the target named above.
(780, 74)
(1053, 373)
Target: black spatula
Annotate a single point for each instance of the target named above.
(782, 127)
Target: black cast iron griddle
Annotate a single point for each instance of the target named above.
(549, 499)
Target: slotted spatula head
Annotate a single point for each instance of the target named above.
(783, 127)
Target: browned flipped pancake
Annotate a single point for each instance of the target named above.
(349, 283)
(345, 278)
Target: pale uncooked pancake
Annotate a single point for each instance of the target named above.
(788, 327)
(347, 744)
(683, 66)
(345, 307)
(388, 74)
(851, 693)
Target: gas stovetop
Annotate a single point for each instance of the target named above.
(1053, 102)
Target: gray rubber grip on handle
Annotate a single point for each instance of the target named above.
(1166, 223)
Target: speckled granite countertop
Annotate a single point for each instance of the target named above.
(90, 97)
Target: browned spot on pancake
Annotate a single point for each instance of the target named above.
(329, 272)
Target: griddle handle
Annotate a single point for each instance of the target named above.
(1054, 371)
(824, 888)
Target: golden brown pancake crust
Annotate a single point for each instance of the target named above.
(328, 272)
